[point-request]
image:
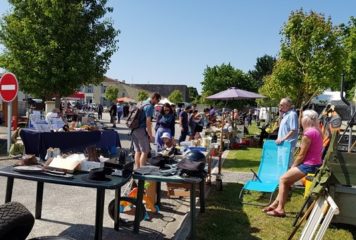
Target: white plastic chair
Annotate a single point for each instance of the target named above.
(322, 213)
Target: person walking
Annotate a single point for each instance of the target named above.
(126, 108)
(194, 120)
(120, 110)
(100, 111)
(165, 123)
(142, 136)
(113, 112)
(184, 123)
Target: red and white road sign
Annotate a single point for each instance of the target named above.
(9, 87)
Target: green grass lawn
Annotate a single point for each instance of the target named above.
(253, 129)
(226, 218)
(243, 160)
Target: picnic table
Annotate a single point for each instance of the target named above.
(79, 180)
(193, 181)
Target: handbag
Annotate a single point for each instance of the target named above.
(160, 161)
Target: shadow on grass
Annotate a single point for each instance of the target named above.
(257, 198)
(224, 217)
(347, 227)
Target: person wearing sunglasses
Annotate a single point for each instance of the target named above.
(288, 127)
(165, 123)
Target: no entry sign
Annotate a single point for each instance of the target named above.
(9, 87)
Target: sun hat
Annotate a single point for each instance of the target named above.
(166, 135)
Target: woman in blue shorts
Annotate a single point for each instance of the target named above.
(307, 161)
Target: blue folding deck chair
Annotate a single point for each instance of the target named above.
(274, 163)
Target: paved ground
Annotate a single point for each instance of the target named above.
(70, 211)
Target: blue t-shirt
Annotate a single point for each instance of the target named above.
(288, 123)
(147, 111)
(119, 108)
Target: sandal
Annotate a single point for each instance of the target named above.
(274, 213)
(268, 209)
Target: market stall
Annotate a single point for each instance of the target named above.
(37, 142)
(228, 95)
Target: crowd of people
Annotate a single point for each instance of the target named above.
(191, 123)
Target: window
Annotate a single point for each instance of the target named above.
(103, 88)
(89, 89)
(89, 99)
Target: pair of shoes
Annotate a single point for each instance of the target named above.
(267, 209)
(274, 213)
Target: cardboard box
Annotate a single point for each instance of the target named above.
(67, 164)
(85, 166)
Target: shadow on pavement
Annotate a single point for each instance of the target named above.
(85, 232)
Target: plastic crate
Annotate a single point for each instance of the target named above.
(202, 149)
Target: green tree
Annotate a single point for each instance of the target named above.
(142, 95)
(193, 94)
(310, 58)
(284, 81)
(175, 97)
(111, 93)
(350, 57)
(55, 46)
(220, 78)
(264, 66)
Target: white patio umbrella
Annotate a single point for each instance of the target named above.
(234, 94)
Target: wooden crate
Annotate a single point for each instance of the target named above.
(176, 190)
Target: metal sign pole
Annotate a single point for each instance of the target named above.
(9, 114)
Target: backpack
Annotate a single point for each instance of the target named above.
(133, 119)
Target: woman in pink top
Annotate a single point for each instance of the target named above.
(307, 161)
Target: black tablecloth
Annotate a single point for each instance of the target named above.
(37, 143)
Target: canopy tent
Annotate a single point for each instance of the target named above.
(126, 100)
(164, 101)
(328, 96)
(234, 94)
(76, 95)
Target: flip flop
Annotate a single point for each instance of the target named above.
(267, 209)
(274, 213)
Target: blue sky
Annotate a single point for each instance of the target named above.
(172, 41)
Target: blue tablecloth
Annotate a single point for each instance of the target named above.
(37, 143)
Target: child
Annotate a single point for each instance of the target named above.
(168, 141)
